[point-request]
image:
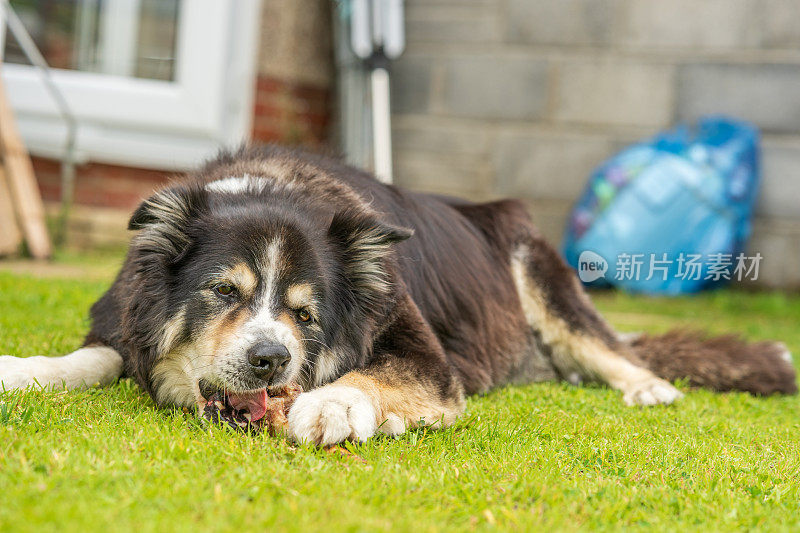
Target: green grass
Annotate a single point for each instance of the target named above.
(544, 456)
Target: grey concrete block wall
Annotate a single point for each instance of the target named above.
(778, 23)
(780, 190)
(689, 24)
(444, 22)
(412, 85)
(560, 22)
(614, 92)
(768, 95)
(544, 165)
(524, 97)
(495, 86)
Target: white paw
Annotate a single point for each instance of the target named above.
(332, 414)
(652, 391)
(16, 372)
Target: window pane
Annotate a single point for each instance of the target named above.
(157, 39)
(121, 37)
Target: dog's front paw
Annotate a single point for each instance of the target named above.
(332, 414)
(652, 391)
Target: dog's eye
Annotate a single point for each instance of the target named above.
(304, 315)
(225, 290)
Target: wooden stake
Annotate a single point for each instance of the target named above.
(22, 183)
(10, 237)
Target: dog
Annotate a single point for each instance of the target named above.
(272, 266)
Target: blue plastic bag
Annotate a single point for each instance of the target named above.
(664, 216)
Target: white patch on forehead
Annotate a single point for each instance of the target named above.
(238, 184)
(253, 184)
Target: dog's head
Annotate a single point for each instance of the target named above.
(242, 285)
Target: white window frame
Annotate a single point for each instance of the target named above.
(152, 123)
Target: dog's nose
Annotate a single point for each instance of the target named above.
(267, 359)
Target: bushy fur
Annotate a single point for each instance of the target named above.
(723, 363)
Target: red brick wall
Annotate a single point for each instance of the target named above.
(100, 185)
(290, 113)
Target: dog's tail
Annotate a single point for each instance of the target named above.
(89, 366)
(725, 363)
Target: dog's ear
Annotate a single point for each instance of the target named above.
(163, 222)
(364, 234)
(164, 217)
(173, 205)
(365, 242)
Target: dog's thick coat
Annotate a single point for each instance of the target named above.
(386, 306)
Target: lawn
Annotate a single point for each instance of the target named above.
(545, 456)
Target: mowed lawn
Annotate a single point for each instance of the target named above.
(545, 456)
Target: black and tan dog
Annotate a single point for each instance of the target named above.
(272, 266)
